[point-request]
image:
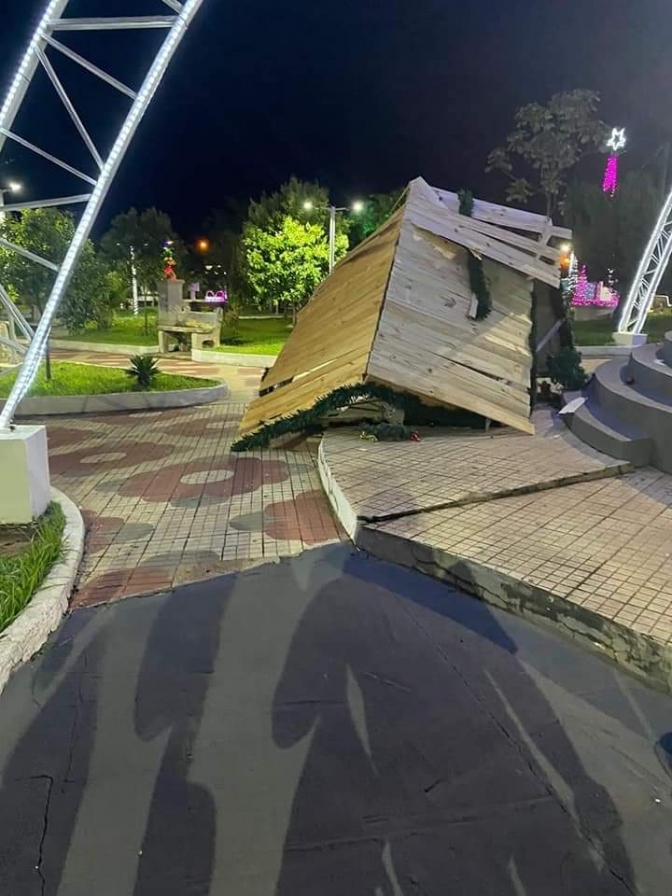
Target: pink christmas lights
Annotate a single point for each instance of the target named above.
(610, 182)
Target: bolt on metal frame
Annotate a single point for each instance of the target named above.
(35, 58)
(649, 274)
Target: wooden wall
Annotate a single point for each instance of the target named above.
(331, 343)
(427, 344)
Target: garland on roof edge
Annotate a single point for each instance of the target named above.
(417, 414)
(477, 278)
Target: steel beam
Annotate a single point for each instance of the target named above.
(45, 203)
(649, 274)
(178, 26)
(90, 67)
(46, 155)
(112, 23)
(26, 253)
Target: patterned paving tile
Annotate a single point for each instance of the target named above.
(166, 502)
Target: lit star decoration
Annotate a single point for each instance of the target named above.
(616, 144)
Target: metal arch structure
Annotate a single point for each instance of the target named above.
(649, 274)
(41, 49)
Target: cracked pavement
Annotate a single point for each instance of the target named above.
(328, 725)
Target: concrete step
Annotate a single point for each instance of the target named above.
(667, 349)
(651, 373)
(609, 435)
(646, 413)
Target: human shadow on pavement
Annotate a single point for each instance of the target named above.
(48, 768)
(178, 850)
(436, 765)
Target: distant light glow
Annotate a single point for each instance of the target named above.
(15, 186)
(308, 205)
(358, 207)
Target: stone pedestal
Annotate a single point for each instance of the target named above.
(171, 298)
(25, 488)
(632, 340)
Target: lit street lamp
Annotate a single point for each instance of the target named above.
(13, 186)
(356, 207)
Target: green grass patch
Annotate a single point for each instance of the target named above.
(126, 329)
(85, 379)
(601, 331)
(27, 554)
(265, 336)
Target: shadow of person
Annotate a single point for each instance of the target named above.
(436, 765)
(177, 855)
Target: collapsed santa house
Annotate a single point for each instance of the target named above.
(444, 303)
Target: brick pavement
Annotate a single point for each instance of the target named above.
(501, 510)
(165, 500)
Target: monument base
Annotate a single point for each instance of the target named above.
(25, 490)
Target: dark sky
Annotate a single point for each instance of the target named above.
(360, 94)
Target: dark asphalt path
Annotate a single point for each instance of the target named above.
(329, 726)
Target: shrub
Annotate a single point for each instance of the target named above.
(565, 369)
(144, 369)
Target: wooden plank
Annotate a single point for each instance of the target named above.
(441, 395)
(344, 313)
(423, 211)
(504, 216)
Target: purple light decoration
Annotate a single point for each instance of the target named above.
(589, 294)
(610, 183)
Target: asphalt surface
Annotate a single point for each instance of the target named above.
(328, 726)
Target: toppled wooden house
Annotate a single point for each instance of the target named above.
(400, 310)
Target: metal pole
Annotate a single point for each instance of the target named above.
(332, 238)
(134, 282)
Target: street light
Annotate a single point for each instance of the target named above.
(356, 207)
(203, 245)
(13, 186)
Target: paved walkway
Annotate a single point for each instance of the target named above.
(544, 525)
(166, 502)
(328, 726)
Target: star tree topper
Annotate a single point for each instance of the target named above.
(618, 140)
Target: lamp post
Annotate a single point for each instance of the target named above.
(13, 186)
(356, 207)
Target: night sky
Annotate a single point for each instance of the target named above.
(362, 95)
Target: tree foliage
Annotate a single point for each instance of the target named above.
(286, 260)
(612, 233)
(546, 143)
(290, 200)
(143, 235)
(47, 232)
(378, 208)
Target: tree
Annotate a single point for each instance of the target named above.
(612, 233)
(378, 208)
(549, 141)
(48, 233)
(138, 238)
(286, 261)
(290, 200)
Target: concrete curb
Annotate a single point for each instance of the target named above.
(604, 351)
(103, 347)
(120, 401)
(29, 632)
(232, 360)
(640, 654)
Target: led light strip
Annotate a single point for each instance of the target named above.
(37, 347)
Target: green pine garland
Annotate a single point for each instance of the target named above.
(416, 414)
(477, 278)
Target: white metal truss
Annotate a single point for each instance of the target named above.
(649, 274)
(42, 45)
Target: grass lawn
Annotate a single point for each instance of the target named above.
(85, 379)
(126, 330)
(599, 332)
(260, 337)
(27, 554)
